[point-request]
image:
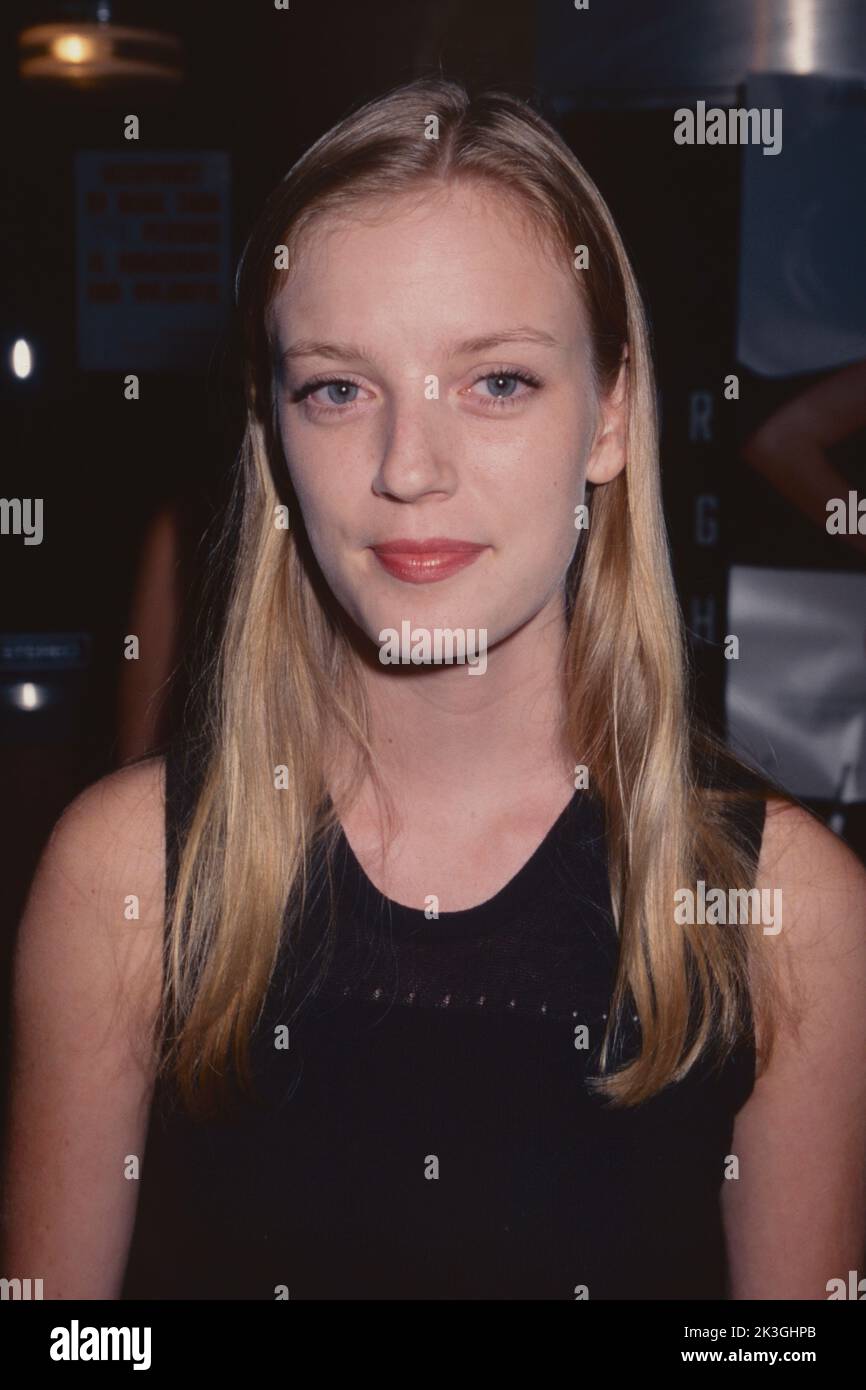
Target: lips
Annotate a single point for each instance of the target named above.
(425, 562)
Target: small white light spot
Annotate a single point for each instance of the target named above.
(22, 358)
(27, 695)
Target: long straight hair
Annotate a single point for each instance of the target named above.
(284, 678)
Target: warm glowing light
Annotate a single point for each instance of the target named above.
(22, 358)
(28, 696)
(84, 54)
(72, 48)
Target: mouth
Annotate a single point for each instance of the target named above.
(426, 562)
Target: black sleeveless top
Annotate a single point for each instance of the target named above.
(427, 1133)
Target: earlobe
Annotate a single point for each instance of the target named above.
(608, 455)
(605, 465)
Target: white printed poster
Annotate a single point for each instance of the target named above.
(796, 696)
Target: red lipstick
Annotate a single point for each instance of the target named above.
(425, 562)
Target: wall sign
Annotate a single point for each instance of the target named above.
(153, 276)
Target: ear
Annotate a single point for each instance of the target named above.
(607, 455)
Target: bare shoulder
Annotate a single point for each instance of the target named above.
(792, 829)
(87, 987)
(821, 880)
(96, 903)
(795, 1218)
(819, 953)
(115, 825)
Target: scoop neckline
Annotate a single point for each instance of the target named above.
(482, 917)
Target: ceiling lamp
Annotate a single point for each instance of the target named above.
(97, 52)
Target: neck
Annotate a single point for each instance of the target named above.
(443, 737)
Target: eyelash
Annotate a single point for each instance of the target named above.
(495, 402)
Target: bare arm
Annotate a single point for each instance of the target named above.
(86, 989)
(790, 448)
(796, 1216)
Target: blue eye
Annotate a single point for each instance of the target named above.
(338, 391)
(505, 384)
(341, 388)
(503, 377)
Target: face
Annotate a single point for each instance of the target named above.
(435, 385)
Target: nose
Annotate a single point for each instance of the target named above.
(415, 458)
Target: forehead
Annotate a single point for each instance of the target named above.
(457, 258)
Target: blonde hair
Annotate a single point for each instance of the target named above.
(284, 677)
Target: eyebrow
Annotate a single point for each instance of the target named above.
(307, 347)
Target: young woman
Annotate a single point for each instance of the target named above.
(426, 1016)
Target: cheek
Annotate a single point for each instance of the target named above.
(314, 485)
(546, 488)
(322, 517)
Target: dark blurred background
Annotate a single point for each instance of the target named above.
(118, 258)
